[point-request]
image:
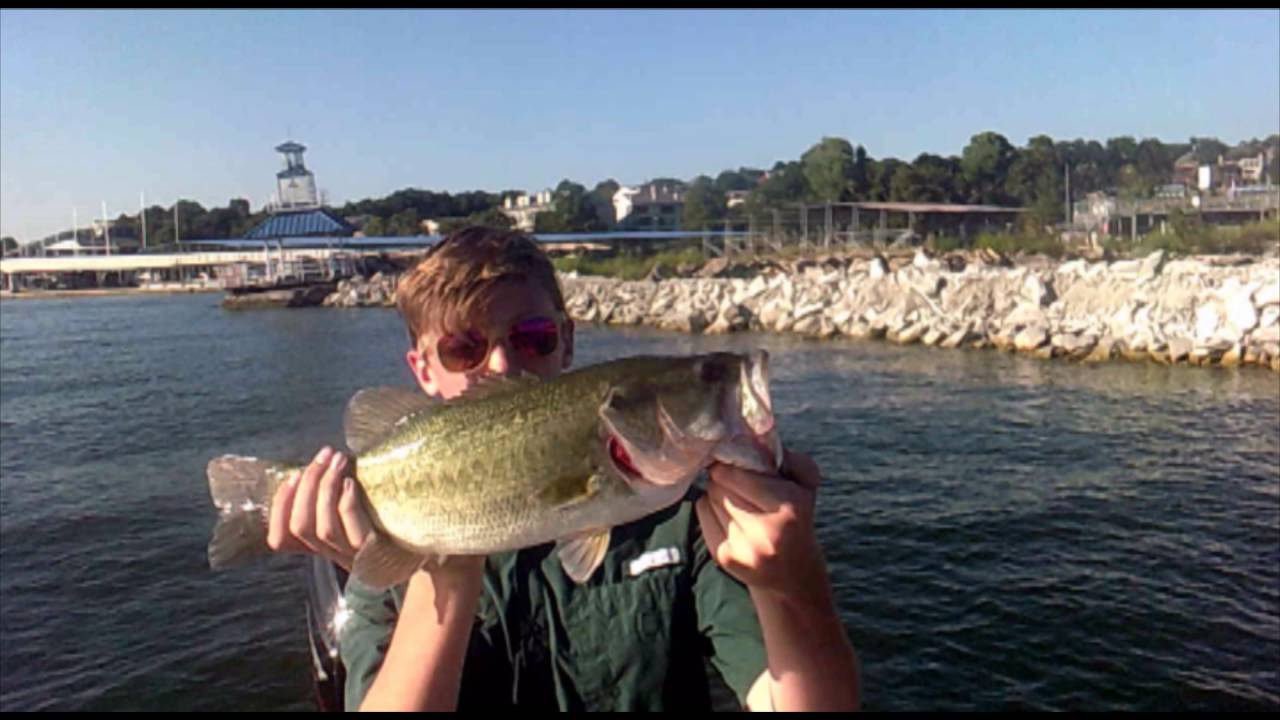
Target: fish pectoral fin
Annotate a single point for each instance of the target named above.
(568, 490)
(381, 563)
(580, 555)
(374, 412)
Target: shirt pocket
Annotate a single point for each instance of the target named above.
(621, 638)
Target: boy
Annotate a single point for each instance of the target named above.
(736, 572)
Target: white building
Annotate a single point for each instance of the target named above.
(652, 206)
(523, 208)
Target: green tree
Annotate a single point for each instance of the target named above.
(1121, 151)
(1154, 162)
(860, 181)
(602, 199)
(731, 180)
(985, 164)
(1036, 180)
(1207, 150)
(828, 169)
(190, 218)
(704, 205)
(491, 218)
(374, 227)
(786, 185)
(575, 211)
(1087, 163)
(404, 223)
(929, 179)
(880, 176)
(8, 246)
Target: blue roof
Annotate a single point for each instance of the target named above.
(301, 224)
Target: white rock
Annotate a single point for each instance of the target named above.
(878, 269)
(1269, 316)
(1268, 294)
(1031, 338)
(1152, 265)
(1208, 320)
(1240, 312)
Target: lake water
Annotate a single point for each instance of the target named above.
(1002, 532)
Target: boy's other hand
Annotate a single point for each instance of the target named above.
(759, 527)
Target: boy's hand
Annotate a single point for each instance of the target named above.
(320, 511)
(759, 527)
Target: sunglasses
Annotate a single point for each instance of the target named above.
(530, 339)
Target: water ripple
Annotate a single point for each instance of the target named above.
(1002, 533)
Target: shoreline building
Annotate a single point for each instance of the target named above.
(298, 211)
(524, 208)
(652, 206)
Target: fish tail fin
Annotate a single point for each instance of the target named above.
(241, 488)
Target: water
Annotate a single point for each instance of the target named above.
(1002, 532)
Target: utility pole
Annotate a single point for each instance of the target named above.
(1066, 170)
(106, 228)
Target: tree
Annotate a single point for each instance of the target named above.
(828, 169)
(575, 211)
(1153, 162)
(1121, 151)
(860, 182)
(929, 179)
(1036, 180)
(880, 179)
(491, 218)
(404, 223)
(731, 180)
(985, 164)
(8, 246)
(1207, 150)
(786, 185)
(374, 227)
(602, 198)
(1087, 161)
(704, 205)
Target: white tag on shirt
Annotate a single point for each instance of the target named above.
(654, 559)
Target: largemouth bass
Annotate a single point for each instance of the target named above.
(520, 462)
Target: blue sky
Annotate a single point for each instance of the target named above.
(102, 105)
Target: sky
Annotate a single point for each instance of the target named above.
(103, 106)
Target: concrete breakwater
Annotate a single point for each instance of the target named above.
(1200, 311)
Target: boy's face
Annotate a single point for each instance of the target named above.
(510, 305)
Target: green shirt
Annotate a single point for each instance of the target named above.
(633, 637)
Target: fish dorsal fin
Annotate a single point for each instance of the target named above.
(374, 412)
(582, 554)
(381, 563)
(491, 385)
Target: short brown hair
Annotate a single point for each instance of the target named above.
(439, 292)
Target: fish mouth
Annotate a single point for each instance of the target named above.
(755, 444)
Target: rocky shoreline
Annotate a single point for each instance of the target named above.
(1198, 311)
